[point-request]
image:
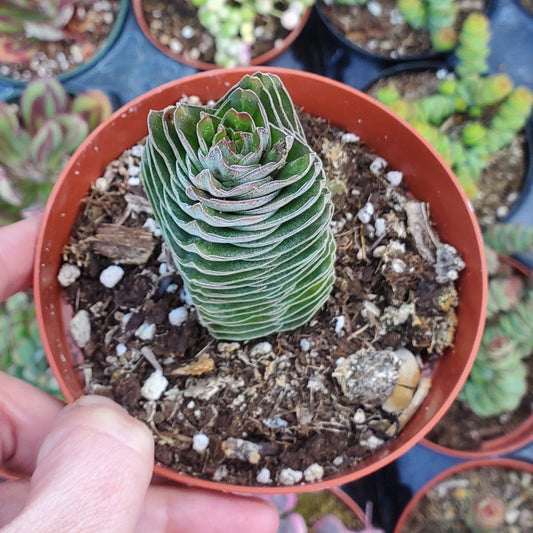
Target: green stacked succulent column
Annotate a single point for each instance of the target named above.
(21, 352)
(243, 206)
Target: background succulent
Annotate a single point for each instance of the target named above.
(498, 380)
(243, 206)
(467, 95)
(234, 25)
(42, 19)
(37, 136)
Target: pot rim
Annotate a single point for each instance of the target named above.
(99, 54)
(504, 462)
(203, 65)
(45, 279)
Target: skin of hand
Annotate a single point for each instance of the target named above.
(87, 466)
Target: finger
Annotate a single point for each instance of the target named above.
(27, 415)
(17, 246)
(184, 510)
(92, 471)
(12, 498)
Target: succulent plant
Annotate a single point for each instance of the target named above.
(487, 513)
(243, 207)
(467, 95)
(498, 380)
(295, 517)
(36, 138)
(21, 352)
(41, 19)
(233, 25)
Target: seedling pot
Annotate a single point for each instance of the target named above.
(203, 65)
(426, 175)
(511, 464)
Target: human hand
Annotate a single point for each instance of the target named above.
(91, 463)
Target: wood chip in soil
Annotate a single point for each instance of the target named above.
(501, 183)
(266, 411)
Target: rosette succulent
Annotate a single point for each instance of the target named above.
(243, 206)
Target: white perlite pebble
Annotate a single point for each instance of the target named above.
(262, 348)
(145, 332)
(359, 417)
(313, 473)
(154, 386)
(200, 442)
(375, 8)
(340, 322)
(264, 476)
(288, 476)
(137, 150)
(80, 328)
(133, 171)
(185, 296)
(305, 345)
(349, 138)
(187, 32)
(380, 227)
(378, 165)
(394, 177)
(121, 349)
(178, 316)
(365, 213)
(110, 276)
(68, 274)
(134, 181)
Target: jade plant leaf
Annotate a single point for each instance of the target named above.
(243, 206)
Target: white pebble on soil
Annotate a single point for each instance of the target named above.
(349, 138)
(261, 348)
(288, 476)
(365, 213)
(264, 477)
(378, 165)
(178, 316)
(394, 177)
(80, 328)
(146, 331)
(121, 349)
(375, 8)
(68, 274)
(340, 322)
(313, 473)
(305, 345)
(154, 386)
(200, 442)
(111, 275)
(185, 296)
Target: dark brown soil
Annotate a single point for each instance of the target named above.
(268, 410)
(87, 32)
(501, 182)
(448, 506)
(167, 21)
(527, 5)
(386, 33)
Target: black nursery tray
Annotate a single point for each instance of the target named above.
(134, 66)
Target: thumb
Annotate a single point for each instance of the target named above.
(92, 473)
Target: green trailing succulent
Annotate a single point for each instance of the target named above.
(37, 136)
(464, 98)
(234, 24)
(498, 380)
(21, 352)
(242, 204)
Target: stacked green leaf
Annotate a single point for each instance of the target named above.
(242, 204)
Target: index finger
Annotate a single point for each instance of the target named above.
(17, 247)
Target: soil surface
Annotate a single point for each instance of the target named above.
(87, 33)
(269, 410)
(176, 26)
(501, 182)
(448, 507)
(379, 27)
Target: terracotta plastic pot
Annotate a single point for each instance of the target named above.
(203, 65)
(521, 436)
(344, 498)
(427, 176)
(110, 41)
(511, 464)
